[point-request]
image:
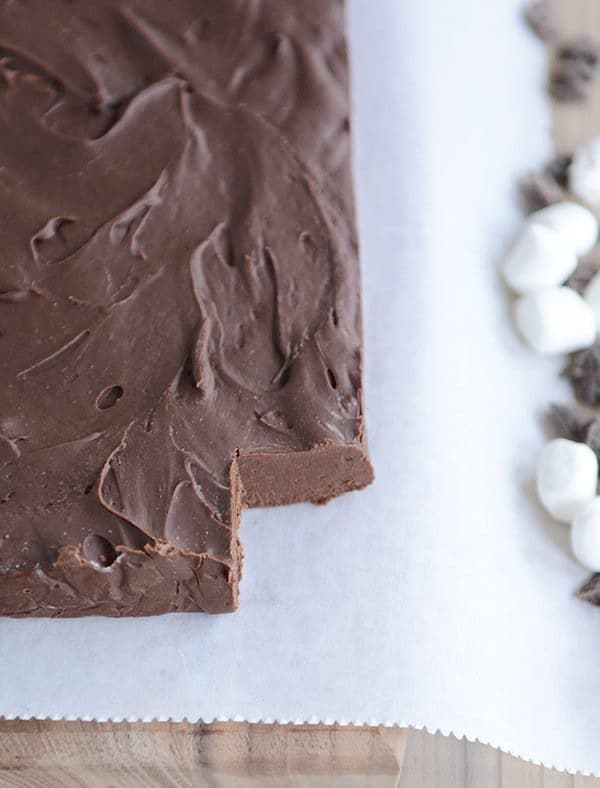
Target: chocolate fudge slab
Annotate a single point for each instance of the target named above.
(180, 330)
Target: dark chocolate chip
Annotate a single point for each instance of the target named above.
(566, 84)
(541, 20)
(590, 590)
(584, 373)
(568, 423)
(539, 190)
(547, 186)
(558, 168)
(575, 64)
(582, 51)
(583, 275)
(592, 435)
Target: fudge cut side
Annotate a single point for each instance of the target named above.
(316, 475)
(180, 329)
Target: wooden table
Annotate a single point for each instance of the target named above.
(41, 754)
(106, 755)
(226, 755)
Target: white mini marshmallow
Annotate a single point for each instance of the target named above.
(584, 172)
(567, 477)
(539, 258)
(585, 535)
(577, 226)
(592, 296)
(556, 320)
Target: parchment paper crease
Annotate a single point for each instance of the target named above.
(441, 596)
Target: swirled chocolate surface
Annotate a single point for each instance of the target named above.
(179, 293)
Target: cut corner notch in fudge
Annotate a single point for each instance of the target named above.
(179, 295)
(316, 475)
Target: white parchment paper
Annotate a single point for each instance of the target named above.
(441, 596)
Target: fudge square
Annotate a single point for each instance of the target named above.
(180, 328)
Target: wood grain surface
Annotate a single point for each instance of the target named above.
(445, 762)
(41, 754)
(235, 755)
(221, 755)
